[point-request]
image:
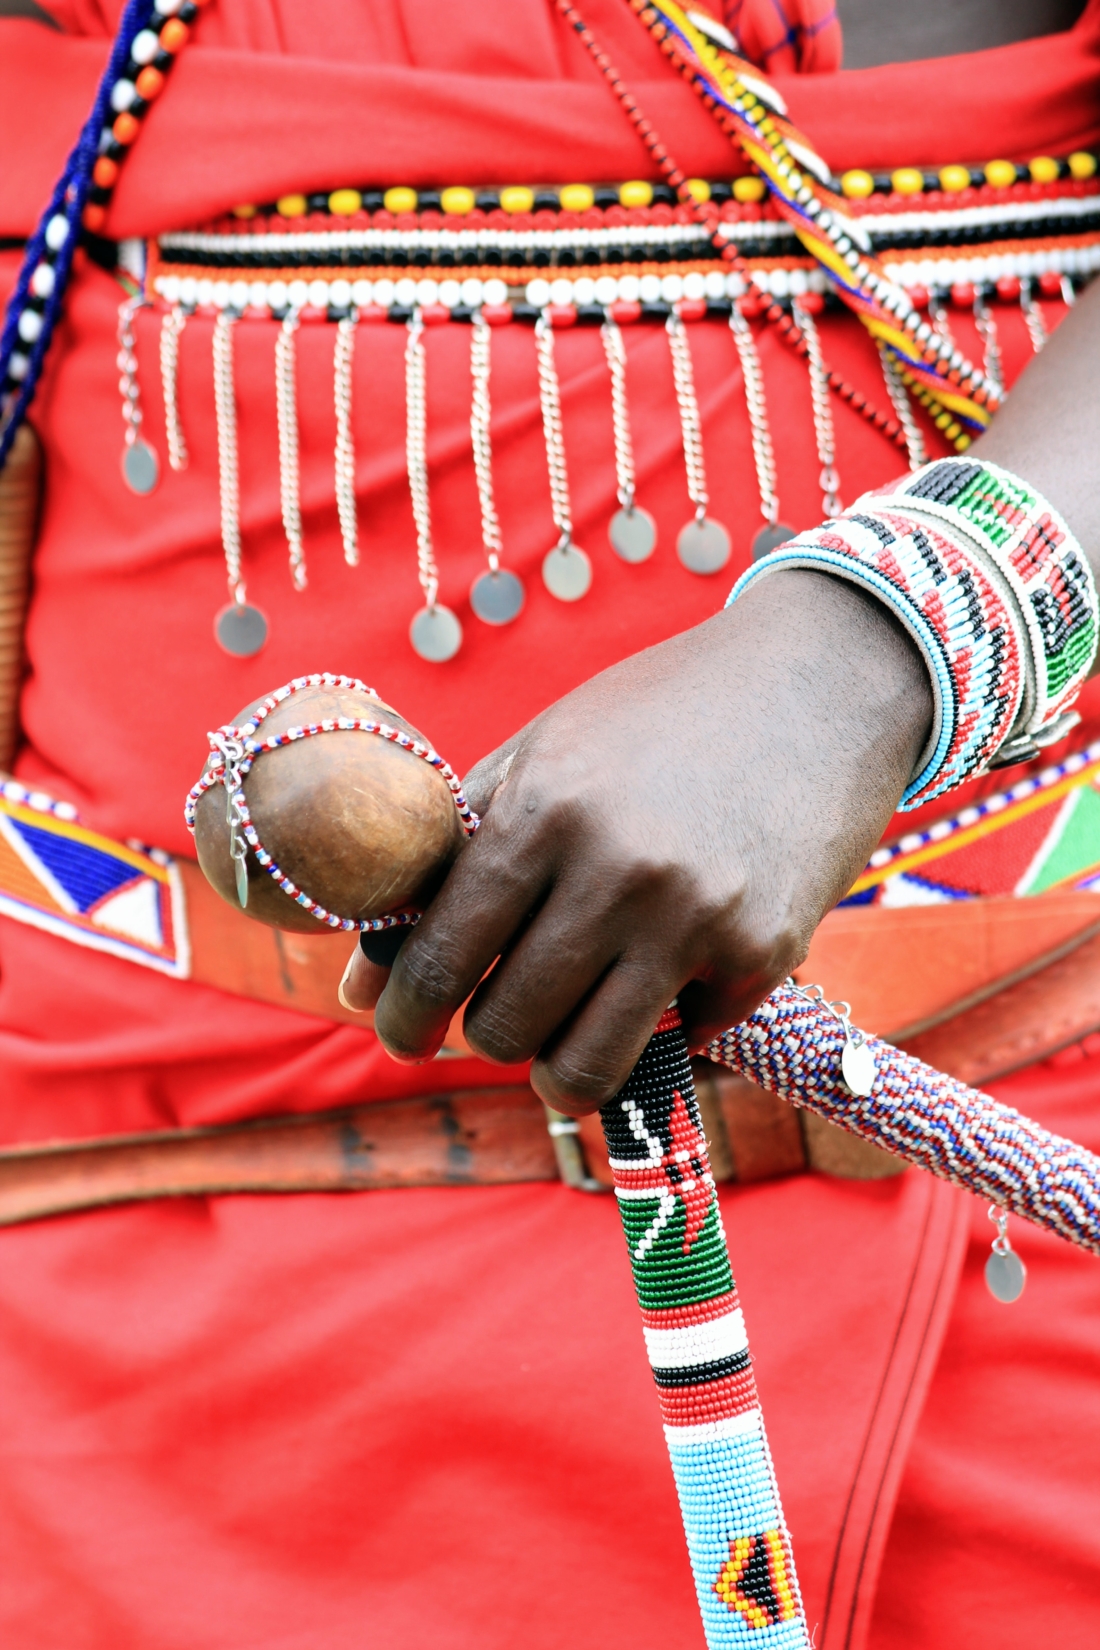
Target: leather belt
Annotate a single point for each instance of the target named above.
(473, 1137)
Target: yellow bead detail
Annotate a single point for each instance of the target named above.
(906, 181)
(954, 178)
(1082, 165)
(291, 206)
(857, 185)
(636, 193)
(749, 189)
(1000, 174)
(344, 203)
(1044, 169)
(577, 197)
(399, 199)
(457, 201)
(244, 211)
(698, 189)
(517, 198)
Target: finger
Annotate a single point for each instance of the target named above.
(536, 986)
(487, 898)
(588, 1062)
(363, 982)
(487, 776)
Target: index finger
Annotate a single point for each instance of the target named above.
(489, 893)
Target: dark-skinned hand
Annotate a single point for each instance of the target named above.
(675, 827)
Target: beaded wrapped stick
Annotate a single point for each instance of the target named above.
(369, 831)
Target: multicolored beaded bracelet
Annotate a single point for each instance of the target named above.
(1046, 570)
(995, 591)
(235, 749)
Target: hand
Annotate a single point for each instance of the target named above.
(676, 827)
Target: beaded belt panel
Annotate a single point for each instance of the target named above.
(461, 247)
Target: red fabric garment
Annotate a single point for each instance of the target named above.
(787, 36)
(227, 1421)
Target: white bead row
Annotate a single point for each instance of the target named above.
(945, 272)
(1001, 215)
(239, 295)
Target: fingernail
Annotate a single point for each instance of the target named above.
(351, 1008)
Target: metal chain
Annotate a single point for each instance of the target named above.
(691, 431)
(937, 314)
(1069, 296)
(343, 355)
(126, 361)
(903, 408)
(171, 330)
(480, 415)
(416, 459)
(550, 402)
(289, 473)
(1033, 316)
(615, 351)
(756, 401)
(828, 481)
(987, 332)
(229, 493)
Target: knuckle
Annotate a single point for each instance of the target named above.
(500, 1034)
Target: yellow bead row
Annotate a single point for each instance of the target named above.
(999, 174)
(457, 201)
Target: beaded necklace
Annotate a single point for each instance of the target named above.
(961, 397)
(150, 36)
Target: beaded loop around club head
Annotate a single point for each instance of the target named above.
(235, 749)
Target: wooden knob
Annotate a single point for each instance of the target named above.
(362, 826)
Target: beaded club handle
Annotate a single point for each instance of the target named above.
(695, 1335)
(793, 1046)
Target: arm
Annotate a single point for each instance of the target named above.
(681, 823)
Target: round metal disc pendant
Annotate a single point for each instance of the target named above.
(497, 598)
(769, 539)
(139, 467)
(566, 572)
(633, 534)
(435, 634)
(240, 630)
(857, 1065)
(1005, 1276)
(703, 546)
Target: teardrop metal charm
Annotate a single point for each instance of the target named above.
(497, 597)
(435, 634)
(703, 545)
(140, 468)
(858, 1068)
(1005, 1276)
(240, 630)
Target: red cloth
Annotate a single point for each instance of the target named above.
(228, 1421)
(787, 36)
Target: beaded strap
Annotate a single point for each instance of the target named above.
(695, 1336)
(1042, 562)
(958, 614)
(150, 35)
(235, 749)
(794, 1046)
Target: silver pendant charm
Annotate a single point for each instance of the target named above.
(703, 545)
(240, 630)
(567, 572)
(241, 870)
(769, 539)
(140, 468)
(1005, 1272)
(857, 1065)
(435, 634)
(497, 597)
(633, 533)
